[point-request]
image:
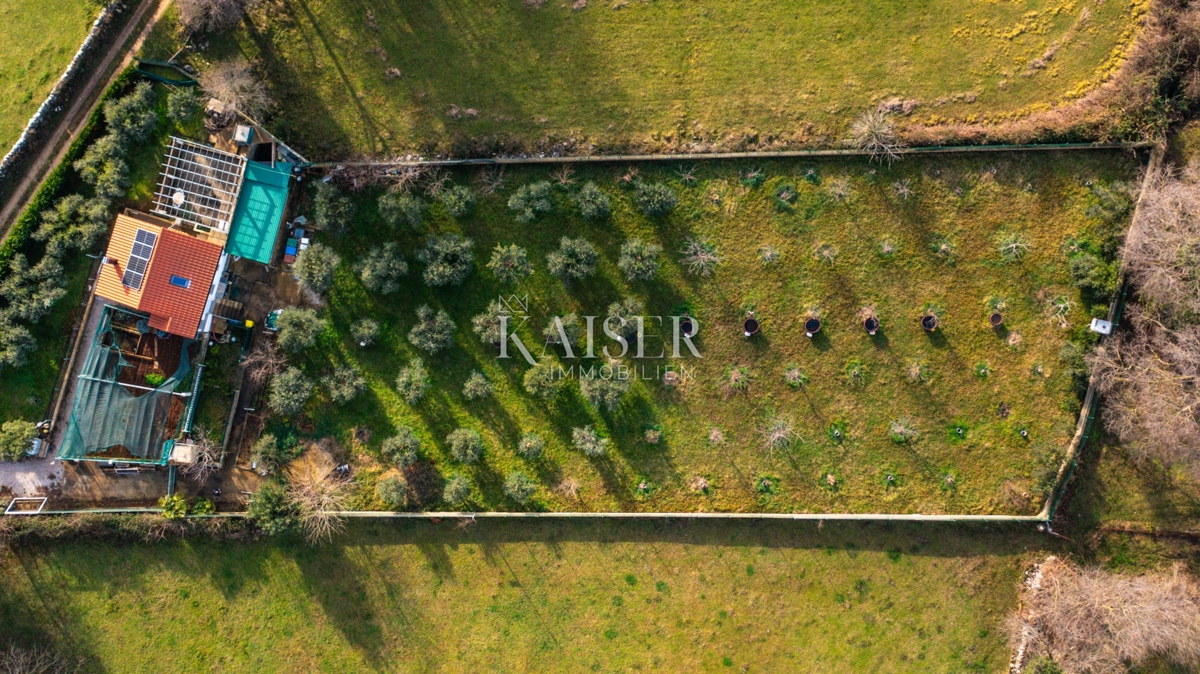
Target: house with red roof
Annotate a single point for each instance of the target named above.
(166, 273)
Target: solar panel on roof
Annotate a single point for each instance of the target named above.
(139, 259)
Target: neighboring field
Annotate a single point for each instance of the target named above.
(37, 41)
(509, 597)
(384, 77)
(970, 203)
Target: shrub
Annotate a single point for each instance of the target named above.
(944, 248)
(183, 104)
(315, 266)
(392, 489)
(628, 309)
(433, 332)
(332, 210)
(570, 327)
(412, 381)
(487, 324)
(655, 199)
(601, 392)
(401, 208)
(531, 200)
(382, 268)
(874, 133)
(15, 439)
(544, 380)
(344, 384)
(510, 263)
(458, 490)
(204, 506)
(520, 487)
(794, 376)
(902, 431)
(587, 441)
(1013, 247)
(289, 392)
(768, 255)
(299, 329)
(530, 446)
(459, 200)
(778, 433)
(700, 257)
(364, 331)
(265, 454)
(785, 196)
(591, 202)
(466, 445)
(753, 177)
(639, 260)
(131, 118)
(447, 259)
(403, 448)
(1094, 276)
(271, 511)
(477, 386)
(574, 259)
(174, 507)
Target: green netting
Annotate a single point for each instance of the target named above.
(108, 416)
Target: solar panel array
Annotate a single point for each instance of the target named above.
(199, 185)
(139, 259)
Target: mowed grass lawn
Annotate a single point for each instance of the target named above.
(37, 41)
(508, 597)
(968, 203)
(488, 75)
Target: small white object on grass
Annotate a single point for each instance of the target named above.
(1101, 326)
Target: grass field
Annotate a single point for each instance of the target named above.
(989, 468)
(39, 39)
(493, 76)
(601, 597)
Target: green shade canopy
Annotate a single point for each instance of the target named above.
(259, 211)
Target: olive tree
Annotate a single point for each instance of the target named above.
(299, 328)
(289, 392)
(447, 258)
(382, 268)
(315, 267)
(510, 263)
(434, 330)
(575, 259)
(639, 260)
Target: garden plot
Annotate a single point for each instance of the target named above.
(971, 417)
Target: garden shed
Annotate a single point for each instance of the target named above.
(260, 211)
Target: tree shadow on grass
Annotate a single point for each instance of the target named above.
(331, 578)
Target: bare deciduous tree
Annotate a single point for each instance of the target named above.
(208, 457)
(1090, 620)
(874, 133)
(264, 361)
(317, 493)
(211, 16)
(232, 83)
(17, 660)
(1162, 251)
(490, 180)
(1149, 378)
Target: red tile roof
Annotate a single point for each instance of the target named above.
(172, 308)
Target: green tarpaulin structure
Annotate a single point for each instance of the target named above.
(259, 211)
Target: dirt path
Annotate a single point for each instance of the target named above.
(60, 138)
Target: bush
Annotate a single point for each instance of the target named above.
(477, 386)
(700, 257)
(447, 259)
(603, 393)
(332, 210)
(585, 440)
(591, 202)
(392, 489)
(543, 380)
(265, 454)
(457, 491)
(531, 200)
(519, 487)
(466, 445)
(364, 331)
(459, 200)
(174, 507)
(531, 446)
(299, 329)
(204, 506)
(289, 392)
(403, 448)
(382, 268)
(874, 133)
(344, 384)
(412, 381)
(574, 259)
(1096, 278)
(183, 104)
(315, 266)
(639, 260)
(570, 327)
(434, 330)
(487, 324)
(1013, 247)
(510, 263)
(628, 309)
(15, 439)
(103, 167)
(271, 511)
(401, 208)
(655, 199)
